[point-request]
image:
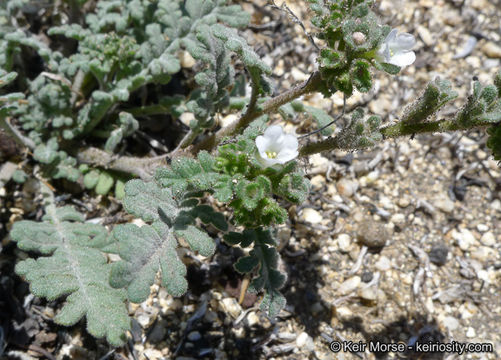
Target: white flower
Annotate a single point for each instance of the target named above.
(276, 147)
(396, 49)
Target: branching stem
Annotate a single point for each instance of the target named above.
(392, 131)
(267, 107)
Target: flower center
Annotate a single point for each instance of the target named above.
(392, 53)
(271, 154)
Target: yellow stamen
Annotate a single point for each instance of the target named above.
(271, 154)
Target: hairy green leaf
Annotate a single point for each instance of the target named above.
(75, 267)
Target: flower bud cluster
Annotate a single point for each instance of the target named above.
(355, 41)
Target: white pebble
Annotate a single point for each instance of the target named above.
(383, 264)
(398, 219)
(301, 339)
(482, 227)
(488, 239)
(344, 242)
(349, 285)
(445, 204)
(346, 187)
(450, 323)
(311, 215)
(464, 238)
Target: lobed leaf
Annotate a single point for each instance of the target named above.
(75, 267)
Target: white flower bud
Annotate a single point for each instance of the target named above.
(359, 38)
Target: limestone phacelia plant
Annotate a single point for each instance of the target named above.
(77, 110)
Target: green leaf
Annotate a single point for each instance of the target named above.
(90, 179)
(188, 174)
(148, 201)
(390, 68)
(322, 119)
(434, 97)
(75, 267)
(104, 183)
(246, 264)
(269, 278)
(273, 302)
(494, 140)
(144, 250)
(233, 238)
(208, 216)
(198, 240)
(361, 76)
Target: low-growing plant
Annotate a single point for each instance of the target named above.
(78, 110)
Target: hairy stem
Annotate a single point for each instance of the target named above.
(142, 167)
(187, 140)
(267, 107)
(391, 131)
(16, 134)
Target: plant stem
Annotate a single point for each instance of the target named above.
(187, 140)
(391, 131)
(142, 167)
(148, 110)
(16, 134)
(267, 107)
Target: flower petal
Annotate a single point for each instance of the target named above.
(262, 143)
(403, 58)
(285, 156)
(273, 132)
(391, 36)
(403, 41)
(290, 142)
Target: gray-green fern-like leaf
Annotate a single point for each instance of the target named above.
(144, 250)
(76, 267)
(152, 248)
(269, 278)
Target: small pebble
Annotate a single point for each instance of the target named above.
(318, 182)
(367, 276)
(438, 254)
(186, 60)
(252, 319)
(231, 306)
(403, 202)
(470, 333)
(488, 239)
(492, 50)
(344, 312)
(398, 219)
(445, 204)
(311, 215)
(301, 339)
(346, 187)
(158, 332)
(482, 227)
(383, 264)
(344, 242)
(349, 285)
(319, 164)
(425, 35)
(483, 253)
(450, 323)
(464, 238)
(194, 336)
(372, 234)
(368, 293)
